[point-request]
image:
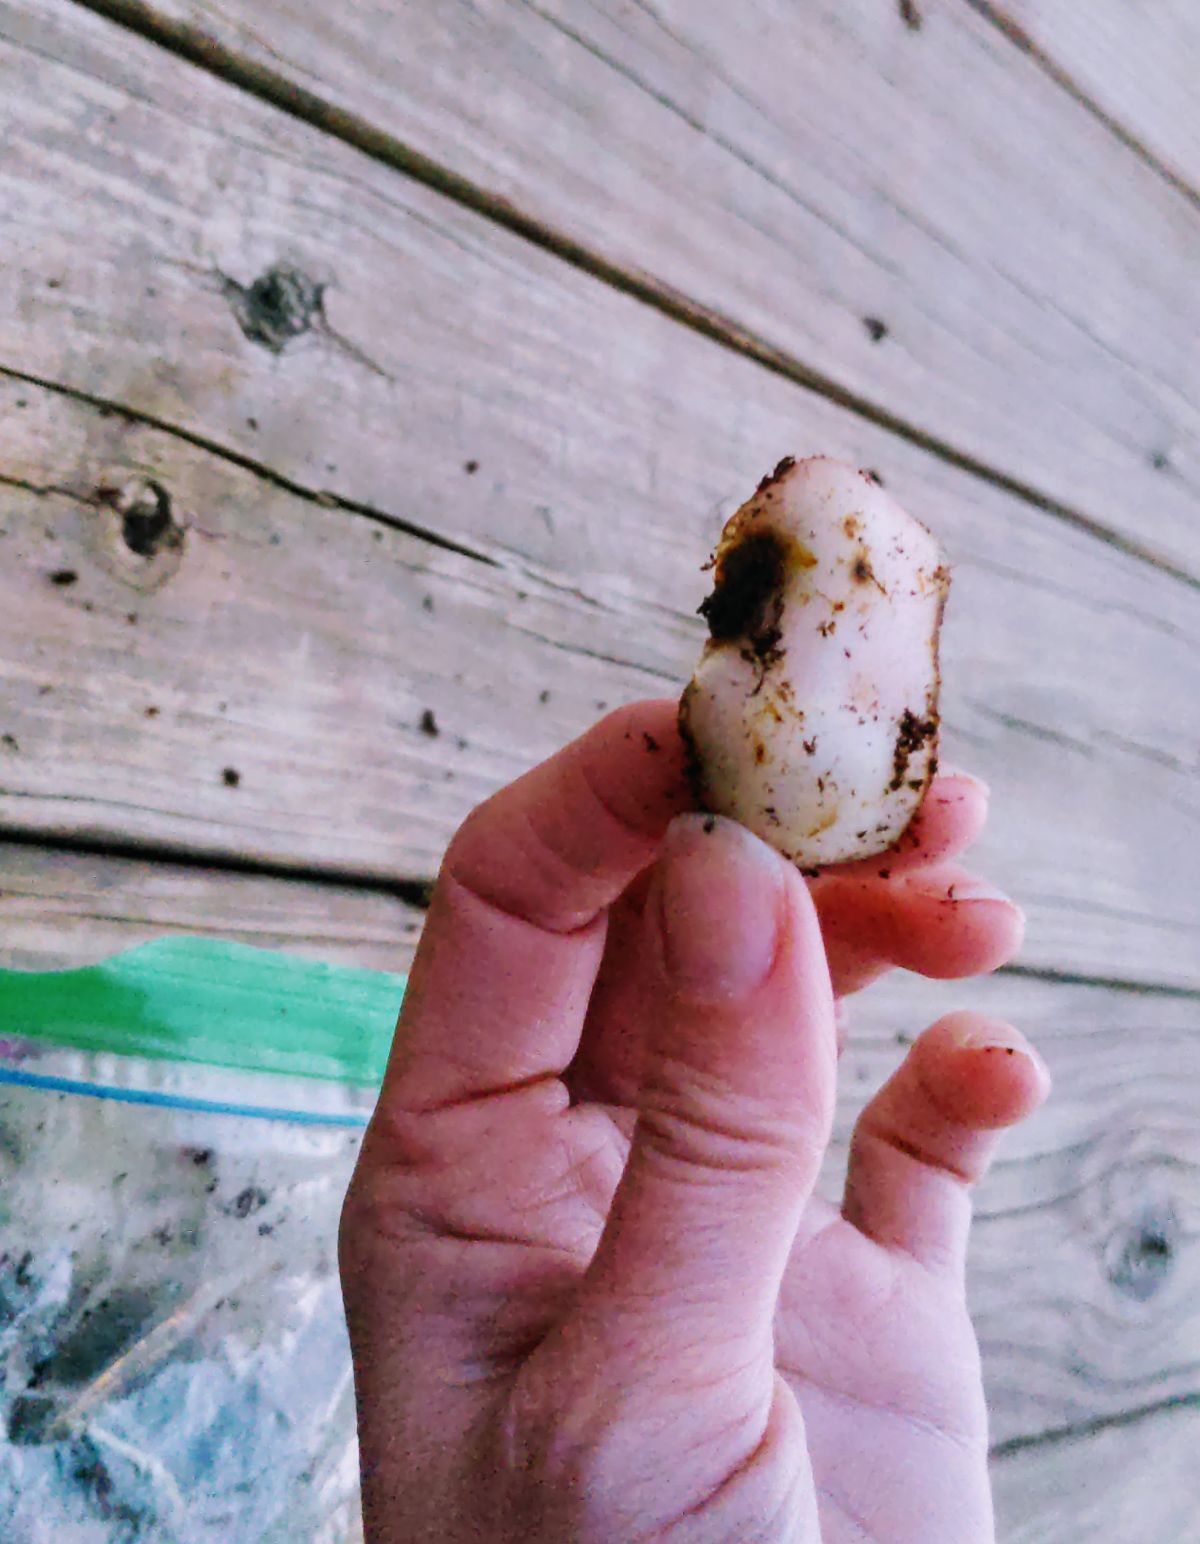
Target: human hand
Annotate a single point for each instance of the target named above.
(590, 1291)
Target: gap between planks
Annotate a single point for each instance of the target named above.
(414, 891)
(268, 474)
(1054, 1435)
(276, 90)
(1022, 39)
(417, 890)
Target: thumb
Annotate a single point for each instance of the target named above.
(736, 1101)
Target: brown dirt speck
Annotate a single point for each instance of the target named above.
(911, 735)
(249, 1201)
(862, 572)
(748, 577)
(782, 468)
(746, 602)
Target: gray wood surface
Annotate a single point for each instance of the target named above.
(60, 909)
(269, 699)
(608, 443)
(793, 171)
(1135, 61)
(1132, 1481)
(330, 501)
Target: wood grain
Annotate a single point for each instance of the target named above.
(795, 175)
(1086, 1252)
(311, 687)
(1085, 1263)
(329, 503)
(582, 445)
(1129, 1483)
(1137, 65)
(60, 909)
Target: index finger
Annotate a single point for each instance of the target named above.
(512, 943)
(951, 816)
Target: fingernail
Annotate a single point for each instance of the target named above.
(992, 1035)
(972, 888)
(960, 775)
(720, 908)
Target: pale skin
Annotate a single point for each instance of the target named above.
(592, 1295)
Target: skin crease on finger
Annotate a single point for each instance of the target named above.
(490, 1405)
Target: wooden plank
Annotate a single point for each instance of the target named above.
(268, 698)
(1137, 64)
(60, 909)
(1127, 1484)
(320, 650)
(1086, 1256)
(306, 687)
(606, 442)
(800, 174)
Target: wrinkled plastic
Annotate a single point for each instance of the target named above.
(174, 1354)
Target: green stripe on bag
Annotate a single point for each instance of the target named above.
(219, 1004)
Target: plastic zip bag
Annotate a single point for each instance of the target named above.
(177, 1129)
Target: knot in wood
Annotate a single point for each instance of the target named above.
(139, 537)
(282, 304)
(1141, 1255)
(147, 524)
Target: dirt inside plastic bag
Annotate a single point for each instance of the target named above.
(174, 1354)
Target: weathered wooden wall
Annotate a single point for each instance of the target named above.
(372, 380)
